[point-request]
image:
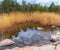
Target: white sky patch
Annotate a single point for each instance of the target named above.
(47, 0)
(57, 2)
(38, 1)
(43, 2)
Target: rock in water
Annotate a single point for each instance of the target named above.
(53, 26)
(6, 42)
(39, 28)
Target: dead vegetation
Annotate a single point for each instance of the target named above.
(43, 18)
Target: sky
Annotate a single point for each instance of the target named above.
(42, 2)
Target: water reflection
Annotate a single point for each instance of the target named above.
(33, 37)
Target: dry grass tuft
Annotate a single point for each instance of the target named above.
(45, 18)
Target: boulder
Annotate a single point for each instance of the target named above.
(47, 47)
(57, 47)
(44, 47)
(31, 48)
(15, 48)
(7, 49)
(6, 42)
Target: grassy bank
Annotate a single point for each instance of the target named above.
(43, 18)
(10, 24)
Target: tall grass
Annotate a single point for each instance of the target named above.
(11, 23)
(44, 18)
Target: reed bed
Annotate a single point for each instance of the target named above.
(43, 18)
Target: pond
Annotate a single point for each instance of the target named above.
(35, 36)
(29, 30)
(32, 36)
